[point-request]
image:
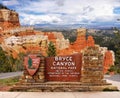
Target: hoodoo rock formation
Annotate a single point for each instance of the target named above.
(90, 41)
(80, 42)
(16, 39)
(108, 60)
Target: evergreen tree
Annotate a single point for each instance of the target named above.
(3, 6)
(19, 62)
(4, 62)
(51, 50)
(117, 47)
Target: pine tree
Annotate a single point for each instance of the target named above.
(51, 50)
(5, 65)
(3, 6)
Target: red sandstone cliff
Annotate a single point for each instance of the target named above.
(108, 61)
(90, 41)
(80, 42)
(15, 39)
(8, 19)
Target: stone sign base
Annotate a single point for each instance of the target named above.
(91, 77)
(63, 87)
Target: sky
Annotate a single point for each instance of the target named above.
(66, 12)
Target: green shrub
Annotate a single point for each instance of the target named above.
(108, 89)
(9, 81)
(51, 50)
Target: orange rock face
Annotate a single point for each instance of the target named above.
(66, 51)
(80, 42)
(8, 25)
(108, 61)
(90, 41)
(16, 39)
(50, 35)
(8, 19)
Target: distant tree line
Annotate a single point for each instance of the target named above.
(3, 7)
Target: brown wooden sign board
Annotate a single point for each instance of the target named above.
(63, 68)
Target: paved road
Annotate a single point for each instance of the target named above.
(59, 94)
(114, 79)
(9, 75)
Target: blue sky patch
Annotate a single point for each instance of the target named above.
(116, 10)
(66, 12)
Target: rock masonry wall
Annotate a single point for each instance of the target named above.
(38, 77)
(92, 66)
(91, 76)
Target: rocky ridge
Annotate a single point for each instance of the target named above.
(16, 39)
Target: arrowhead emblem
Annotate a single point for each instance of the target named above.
(31, 63)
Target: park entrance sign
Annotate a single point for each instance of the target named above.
(77, 72)
(64, 68)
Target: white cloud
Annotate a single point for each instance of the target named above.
(37, 19)
(10, 2)
(67, 11)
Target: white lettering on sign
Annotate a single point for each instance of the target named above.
(63, 61)
(63, 65)
(63, 58)
(64, 68)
